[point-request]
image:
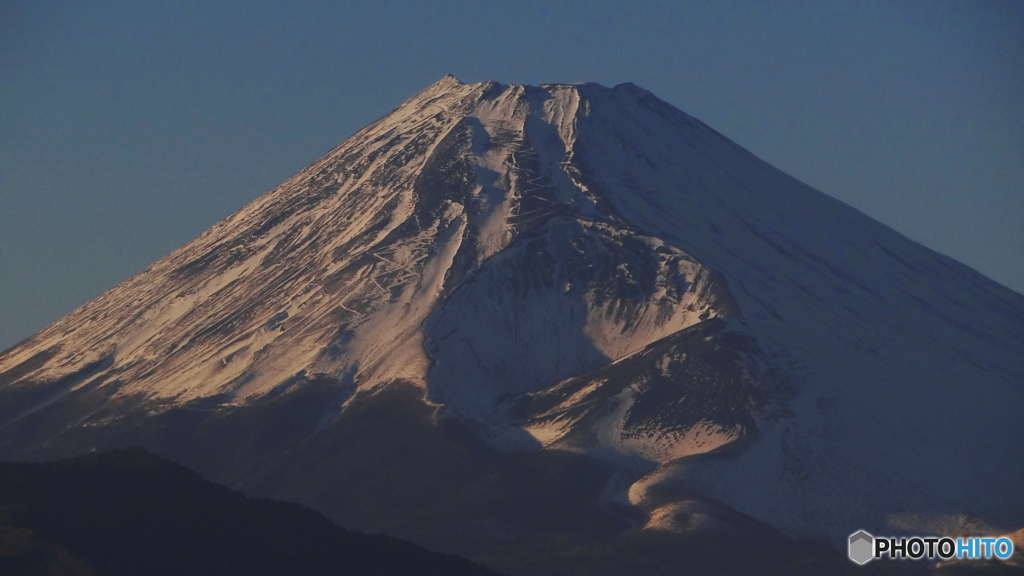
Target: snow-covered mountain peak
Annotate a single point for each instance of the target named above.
(359, 248)
(584, 269)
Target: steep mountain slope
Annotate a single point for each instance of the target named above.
(574, 269)
(341, 269)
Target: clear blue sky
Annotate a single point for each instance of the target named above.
(127, 128)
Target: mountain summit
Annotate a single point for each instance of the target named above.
(561, 271)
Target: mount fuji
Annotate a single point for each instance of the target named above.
(526, 323)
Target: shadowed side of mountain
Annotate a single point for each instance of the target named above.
(388, 463)
(129, 512)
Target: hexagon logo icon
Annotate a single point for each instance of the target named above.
(861, 548)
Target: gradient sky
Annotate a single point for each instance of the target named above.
(127, 128)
